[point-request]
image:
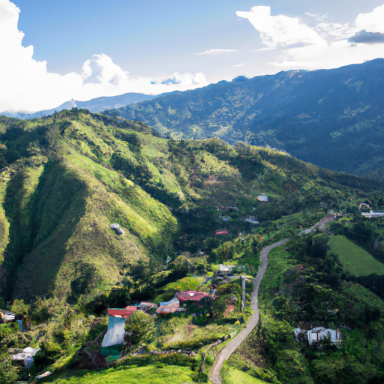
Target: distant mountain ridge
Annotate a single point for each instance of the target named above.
(94, 105)
(332, 118)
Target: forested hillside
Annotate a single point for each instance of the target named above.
(184, 207)
(331, 118)
(66, 178)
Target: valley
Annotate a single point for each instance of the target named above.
(196, 218)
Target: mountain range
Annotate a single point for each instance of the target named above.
(183, 208)
(94, 105)
(332, 118)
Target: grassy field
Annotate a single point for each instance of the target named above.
(234, 376)
(134, 375)
(355, 260)
(187, 283)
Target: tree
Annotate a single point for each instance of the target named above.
(8, 372)
(218, 307)
(138, 324)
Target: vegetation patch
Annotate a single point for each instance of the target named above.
(354, 259)
(150, 374)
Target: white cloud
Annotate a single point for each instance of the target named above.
(27, 85)
(239, 65)
(280, 30)
(371, 22)
(295, 44)
(216, 51)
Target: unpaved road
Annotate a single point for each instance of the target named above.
(226, 352)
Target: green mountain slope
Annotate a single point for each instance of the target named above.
(331, 118)
(65, 179)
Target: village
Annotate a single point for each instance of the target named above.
(212, 309)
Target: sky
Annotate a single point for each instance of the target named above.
(55, 51)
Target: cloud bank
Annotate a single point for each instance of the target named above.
(325, 45)
(26, 84)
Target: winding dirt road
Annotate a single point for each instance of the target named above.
(226, 352)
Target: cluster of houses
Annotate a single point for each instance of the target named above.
(118, 316)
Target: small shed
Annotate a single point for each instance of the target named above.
(117, 229)
(263, 198)
(221, 232)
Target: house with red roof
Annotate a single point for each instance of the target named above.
(200, 298)
(121, 312)
(221, 232)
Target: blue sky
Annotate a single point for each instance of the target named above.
(166, 39)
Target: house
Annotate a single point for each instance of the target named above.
(117, 229)
(252, 219)
(121, 312)
(371, 214)
(222, 232)
(26, 356)
(263, 198)
(116, 325)
(317, 334)
(168, 306)
(6, 317)
(365, 205)
(226, 269)
(200, 298)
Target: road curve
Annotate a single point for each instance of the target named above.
(225, 353)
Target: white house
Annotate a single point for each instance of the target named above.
(317, 334)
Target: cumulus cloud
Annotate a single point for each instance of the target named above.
(367, 37)
(27, 85)
(324, 45)
(372, 21)
(280, 30)
(216, 51)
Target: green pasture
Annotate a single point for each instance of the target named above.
(235, 376)
(354, 259)
(151, 374)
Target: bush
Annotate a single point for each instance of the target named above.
(138, 325)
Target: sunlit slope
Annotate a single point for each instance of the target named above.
(60, 207)
(332, 118)
(64, 179)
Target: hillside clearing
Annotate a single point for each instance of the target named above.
(135, 375)
(354, 259)
(232, 375)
